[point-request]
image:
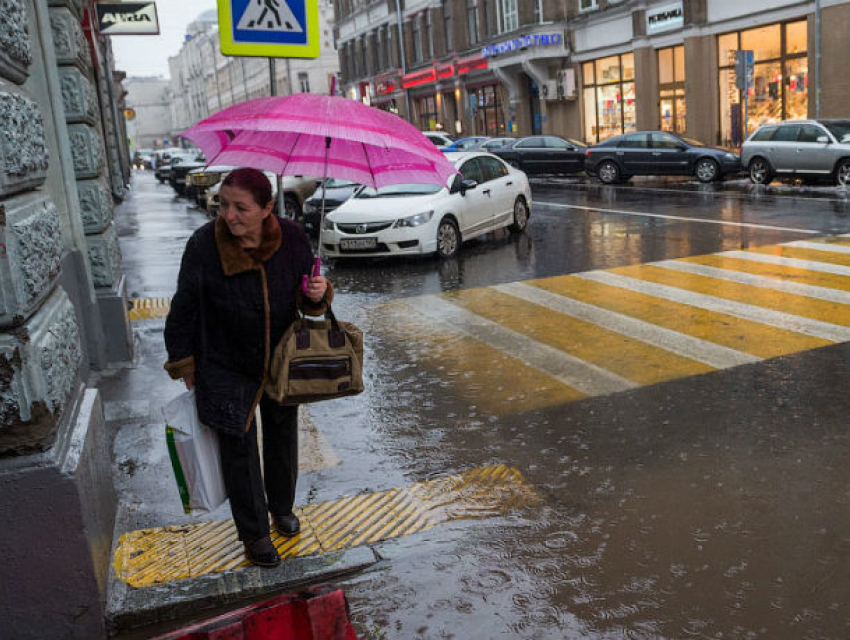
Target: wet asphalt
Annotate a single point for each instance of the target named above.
(710, 506)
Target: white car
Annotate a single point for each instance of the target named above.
(413, 219)
(441, 140)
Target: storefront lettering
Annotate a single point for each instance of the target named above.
(667, 17)
(525, 42)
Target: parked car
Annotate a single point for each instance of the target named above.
(809, 149)
(494, 143)
(441, 140)
(142, 158)
(335, 193)
(544, 154)
(658, 153)
(466, 144)
(180, 167)
(296, 189)
(164, 159)
(414, 219)
(200, 179)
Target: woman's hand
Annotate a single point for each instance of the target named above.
(316, 288)
(189, 380)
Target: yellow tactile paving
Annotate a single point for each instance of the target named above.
(779, 272)
(167, 554)
(743, 335)
(804, 306)
(627, 357)
(815, 255)
(491, 379)
(149, 308)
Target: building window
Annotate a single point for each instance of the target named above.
(472, 21)
(587, 5)
(426, 110)
(671, 89)
(448, 26)
(304, 82)
(609, 97)
(510, 15)
(379, 53)
(417, 40)
(538, 11)
(780, 78)
(488, 115)
(429, 35)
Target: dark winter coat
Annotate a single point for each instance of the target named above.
(231, 308)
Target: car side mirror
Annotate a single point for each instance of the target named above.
(466, 185)
(823, 139)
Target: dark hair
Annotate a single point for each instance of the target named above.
(251, 180)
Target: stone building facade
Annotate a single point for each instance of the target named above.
(590, 69)
(62, 314)
(148, 99)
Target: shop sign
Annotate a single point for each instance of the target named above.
(127, 19)
(524, 42)
(419, 77)
(669, 16)
(386, 86)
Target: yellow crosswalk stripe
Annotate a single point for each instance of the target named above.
(780, 272)
(814, 255)
(166, 554)
(632, 359)
(489, 378)
(744, 335)
(799, 305)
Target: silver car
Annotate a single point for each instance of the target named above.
(805, 148)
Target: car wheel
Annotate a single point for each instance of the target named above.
(291, 207)
(760, 172)
(608, 172)
(706, 170)
(448, 239)
(520, 216)
(842, 174)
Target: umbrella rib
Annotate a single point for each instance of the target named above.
(369, 164)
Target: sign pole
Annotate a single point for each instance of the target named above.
(281, 208)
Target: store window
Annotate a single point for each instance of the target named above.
(609, 97)
(489, 119)
(780, 78)
(671, 89)
(426, 110)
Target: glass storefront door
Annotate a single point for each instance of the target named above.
(671, 89)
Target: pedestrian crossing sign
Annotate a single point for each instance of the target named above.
(269, 28)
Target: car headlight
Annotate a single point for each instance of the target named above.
(414, 220)
(327, 224)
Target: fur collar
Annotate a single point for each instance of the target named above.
(234, 258)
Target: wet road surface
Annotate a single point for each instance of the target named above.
(707, 498)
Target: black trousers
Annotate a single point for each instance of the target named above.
(240, 462)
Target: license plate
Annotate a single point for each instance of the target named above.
(359, 243)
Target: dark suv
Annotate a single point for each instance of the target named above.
(658, 153)
(809, 149)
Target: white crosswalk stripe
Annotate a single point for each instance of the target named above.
(810, 265)
(764, 282)
(823, 330)
(714, 355)
(585, 377)
(834, 247)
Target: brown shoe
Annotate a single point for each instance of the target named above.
(287, 525)
(262, 552)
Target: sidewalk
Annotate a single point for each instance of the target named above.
(153, 229)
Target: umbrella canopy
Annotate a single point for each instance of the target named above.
(309, 134)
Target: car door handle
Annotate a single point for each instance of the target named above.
(656, 153)
(509, 183)
(621, 153)
(487, 191)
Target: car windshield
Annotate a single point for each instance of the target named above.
(692, 142)
(396, 190)
(575, 142)
(838, 129)
(333, 182)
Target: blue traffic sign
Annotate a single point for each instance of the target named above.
(269, 28)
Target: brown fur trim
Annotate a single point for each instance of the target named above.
(234, 259)
(179, 369)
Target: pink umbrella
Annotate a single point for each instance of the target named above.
(310, 134)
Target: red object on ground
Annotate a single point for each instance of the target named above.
(318, 613)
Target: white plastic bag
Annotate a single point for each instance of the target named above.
(193, 449)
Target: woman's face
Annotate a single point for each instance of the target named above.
(244, 217)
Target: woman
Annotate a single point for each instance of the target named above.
(239, 286)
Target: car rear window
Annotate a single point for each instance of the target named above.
(635, 141)
(763, 134)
